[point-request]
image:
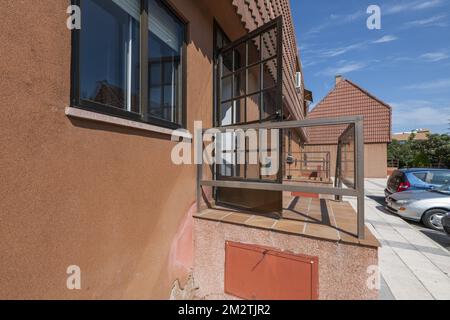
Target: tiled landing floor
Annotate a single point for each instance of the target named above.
(315, 218)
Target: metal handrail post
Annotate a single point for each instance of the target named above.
(359, 137)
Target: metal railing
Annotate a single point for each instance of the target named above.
(308, 165)
(393, 163)
(356, 189)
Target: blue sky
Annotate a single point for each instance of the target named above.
(406, 63)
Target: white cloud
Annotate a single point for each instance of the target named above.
(419, 114)
(428, 4)
(411, 6)
(334, 20)
(342, 69)
(341, 19)
(344, 18)
(401, 59)
(385, 39)
(329, 53)
(334, 52)
(430, 85)
(434, 56)
(428, 22)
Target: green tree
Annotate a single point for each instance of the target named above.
(434, 152)
(437, 150)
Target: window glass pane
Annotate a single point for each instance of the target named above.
(269, 103)
(239, 83)
(270, 74)
(109, 53)
(239, 56)
(226, 116)
(269, 44)
(227, 62)
(168, 76)
(227, 88)
(232, 112)
(440, 178)
(254, 54)
(421, 175)
(253, 107)
(252, 157)
(155, 74)
(239, 113)
(166, 38)
(253, 74)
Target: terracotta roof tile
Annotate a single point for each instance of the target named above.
(348, 99)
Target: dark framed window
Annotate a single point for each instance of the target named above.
(220, 39)
(247, 89)
(128, 60)
(249, 78)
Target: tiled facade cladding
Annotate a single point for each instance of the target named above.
(348, 99)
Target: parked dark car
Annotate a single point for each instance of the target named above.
(446, 223)
(416, 179)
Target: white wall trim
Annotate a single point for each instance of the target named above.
(95, 116)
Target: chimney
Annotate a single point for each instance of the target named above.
(339, 79)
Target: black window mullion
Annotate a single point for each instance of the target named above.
(233, 85)
(162, 87)
(75, 63)
(245, 111)
(219, 93)
(144, 85)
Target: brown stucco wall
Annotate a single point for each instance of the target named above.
(375, 158)
(75, 192)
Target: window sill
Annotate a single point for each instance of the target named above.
(99, 117)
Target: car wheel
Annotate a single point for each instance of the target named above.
(433, 219)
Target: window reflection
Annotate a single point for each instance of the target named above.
(166, 38)
(109, 53)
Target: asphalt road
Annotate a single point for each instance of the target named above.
(440, 237)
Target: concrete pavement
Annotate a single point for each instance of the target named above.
(412, 265)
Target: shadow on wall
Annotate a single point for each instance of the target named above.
(100, 126)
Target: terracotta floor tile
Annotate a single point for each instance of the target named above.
(296, 222)
(370, 239)
(290, 226)
(350, 229)
(295, 216)
(321, 231)
(216, 215)
(341, 221)
(348, 238)
(261, 222)
(239, 218)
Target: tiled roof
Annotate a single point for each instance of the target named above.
(348, 99)
(254, 14)
(418, 136)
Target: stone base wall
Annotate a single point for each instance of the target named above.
(343, 268)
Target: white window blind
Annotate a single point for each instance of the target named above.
(160, 22)
(132, 7)
(162, 25)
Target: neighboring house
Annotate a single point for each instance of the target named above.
(87, 176)
(417, 135)
(349, 99)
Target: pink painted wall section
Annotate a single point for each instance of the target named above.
(181, 258)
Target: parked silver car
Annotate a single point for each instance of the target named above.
(446, 223)
(428, 206)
